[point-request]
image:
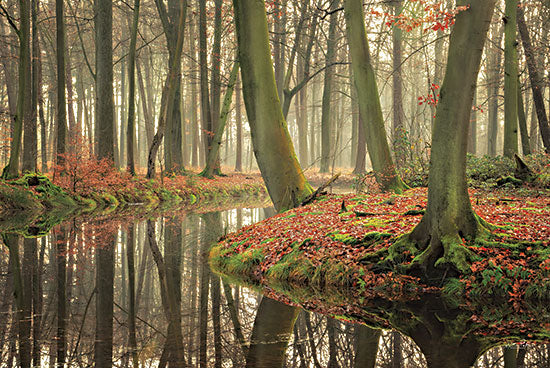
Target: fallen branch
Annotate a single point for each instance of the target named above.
(319, 191)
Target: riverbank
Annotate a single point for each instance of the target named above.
(36, 202)
(343, 241)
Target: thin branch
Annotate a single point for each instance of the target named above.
(10, 20)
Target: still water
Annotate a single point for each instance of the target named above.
(148, 281)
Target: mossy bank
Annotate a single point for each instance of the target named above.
(345, 241)
(35, 198)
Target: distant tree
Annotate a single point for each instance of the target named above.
(61, 121)
(326, 116)
(536, 81)
(510, 79)
(132, 89)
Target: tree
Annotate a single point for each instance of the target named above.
(132, 89)
(168, 93)
(493, 74)
(23, 93)
(369, 103)
(510, 80)
(104, 79)
(170, 19)
(326, 124)
(449, 217)
(213, 154)
(399, 133)
(273, 148)
(61, 102)
(536, 81)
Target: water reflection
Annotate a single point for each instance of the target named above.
(139, 294)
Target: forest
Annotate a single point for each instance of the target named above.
(275, 183)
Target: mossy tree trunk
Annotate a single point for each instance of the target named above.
(370, 109)
(449, 216)
(273, 148)
(510, 80)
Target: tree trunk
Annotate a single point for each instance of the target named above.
(30, 139)
(493, 66)
(104, 80)
(449, 216)
(212, 161)
(369, 102)
(239, 127)
(399, 132)
(216, 80)
(132, 90)
(326, 124)
(275, 155)
(168, 94)
(472, 133)
(510, 80)
(522, 121)
(206, 115)
(23, 92)
(536, 81)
